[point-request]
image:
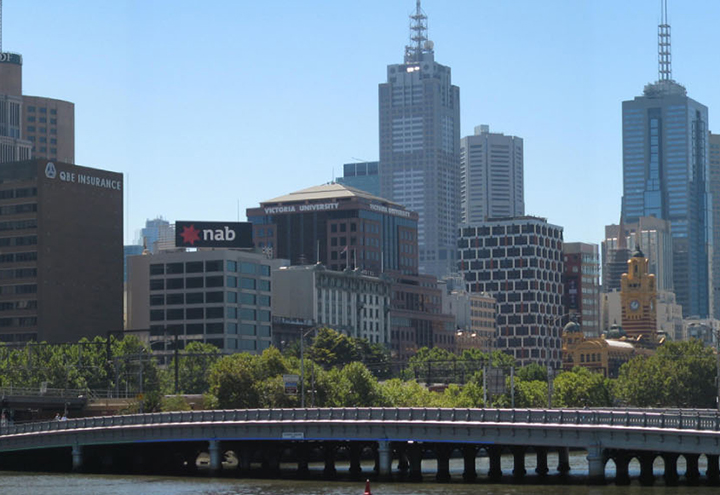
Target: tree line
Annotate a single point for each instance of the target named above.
(342, 371)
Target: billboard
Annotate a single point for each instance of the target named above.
(213, 234)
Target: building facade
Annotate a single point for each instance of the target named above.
(419, 137)
(221, 297)
(348, 302)
(13, 146)
(50, 127)
(649, 234)
(638, 296)
(666, 174)
(491, 176)
(714, 160)
(581, 283)
(363, 175)
(340, 227)
(474, 313)
(519, 262)
(61, 259)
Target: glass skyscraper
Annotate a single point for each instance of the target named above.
(420, 147)
(666, 175)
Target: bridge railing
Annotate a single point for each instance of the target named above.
(705, 420)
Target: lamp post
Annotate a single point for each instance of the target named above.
(550, 322)
(302, 365)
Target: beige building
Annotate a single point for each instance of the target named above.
(669, 316)
(475, 315)
(49, 124)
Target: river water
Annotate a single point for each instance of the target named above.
(14, 483)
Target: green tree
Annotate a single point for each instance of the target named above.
(531, 394)
(232, 382)
(194, 363)
(581, 387)
(532, 372)
(679, 374)
(330, 348)
(353, 386)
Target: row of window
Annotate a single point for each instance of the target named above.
(31, 109)
(209, 297)
(215, 312)
(18, 305)
(209, 266)
(208, 282)
(18, 257)
(18, 209)
(23, 192)
(27, 240)
(41, 139)
(19, 224)
(41, 120)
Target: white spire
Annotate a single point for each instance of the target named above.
(418, 36)
(664, 56)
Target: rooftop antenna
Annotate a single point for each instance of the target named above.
(664, 57)
(418, 36)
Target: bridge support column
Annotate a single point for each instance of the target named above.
(469, 456)
(384, 459)
(77, 458)
(302, 452)
(671, 474)
(495, 472)
(646, 469)
(215, 457)
(541, 468)
(622, 469)
(403, 464)
(329, 453)
(596, 465)
(519, 470)
(563, 460)
(442, 453)
(354, 450)
(692, 473)
(415, 455)
(713, 470)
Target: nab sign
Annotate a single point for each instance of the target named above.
(213, 234)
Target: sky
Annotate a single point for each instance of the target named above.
(210, 107)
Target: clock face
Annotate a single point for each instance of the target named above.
(634, 304)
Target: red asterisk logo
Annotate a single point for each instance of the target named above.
(190, 235)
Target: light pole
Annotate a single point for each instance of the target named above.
(550, 322)
(302, 365)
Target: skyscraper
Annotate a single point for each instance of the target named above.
(491, 176)
(420, 146)
(715, 187)
(666, 175)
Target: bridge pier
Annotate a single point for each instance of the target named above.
(519, 470)
(692, 473)
(563, 460)
(302, 451)
(596, 465)
(271, 460)
(384, 459)
(713, 470)
(329, 449)
(415, 453)
(622, 468)
(541, 468)
(495, 472)
(646, 469)
(469, 456)
(215, 457)
(354, 451)
(442, 454)
(77, 458)
(403, 464)
(671, 474)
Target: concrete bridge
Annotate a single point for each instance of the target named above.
(265, 442)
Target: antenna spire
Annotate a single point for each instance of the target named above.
(664, 56)
(418, 36)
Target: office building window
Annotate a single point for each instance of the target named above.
(31, 109)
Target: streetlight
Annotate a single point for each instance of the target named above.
(302, 366)
(549, 323)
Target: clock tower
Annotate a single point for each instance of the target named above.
(637, 296)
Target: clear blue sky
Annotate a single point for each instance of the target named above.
(207, 105)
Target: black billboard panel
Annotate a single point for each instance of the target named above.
(213, 234)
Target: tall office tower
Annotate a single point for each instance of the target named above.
(12, 145)
(50, 127)
(715, 187)
(491, 176)
(31, 125)
(519, 262)
(420, 147)
(61, 246)
(363, 175)
(666, 175)
(157, 235)
(649, 234)
(581, 281)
